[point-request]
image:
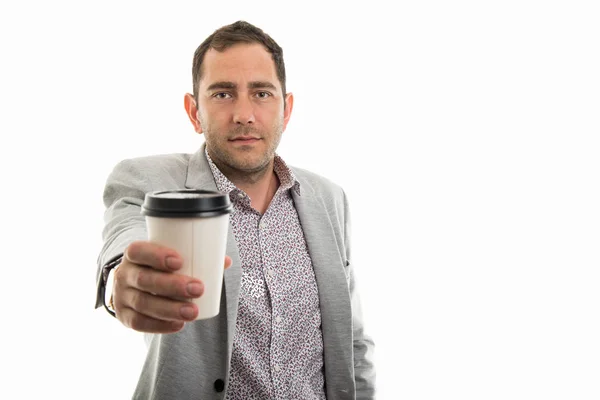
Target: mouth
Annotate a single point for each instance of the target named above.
(245, 140)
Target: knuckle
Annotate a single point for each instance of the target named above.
(123, 320)
(116, 298)
(138, 301)
(118, 274)
(141, 278)
(124, 316)
(175, 287)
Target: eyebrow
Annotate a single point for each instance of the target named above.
(251, 85)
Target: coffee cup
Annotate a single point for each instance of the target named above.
(195, 224)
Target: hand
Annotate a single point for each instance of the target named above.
(147, 294)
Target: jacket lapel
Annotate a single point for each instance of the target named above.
(199, 176)
(328, 265)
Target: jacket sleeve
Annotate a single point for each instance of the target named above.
(364, 368)
(123, 196)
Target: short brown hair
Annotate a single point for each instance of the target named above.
(229, 35)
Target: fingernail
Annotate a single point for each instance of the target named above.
(194, 289)
(187, 312)
(174, 262)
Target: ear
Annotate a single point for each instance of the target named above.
(287, 109)
(192, 111)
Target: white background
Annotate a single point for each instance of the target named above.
(465, 133)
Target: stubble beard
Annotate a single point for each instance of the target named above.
(246, 167)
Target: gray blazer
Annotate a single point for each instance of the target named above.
(194, 363)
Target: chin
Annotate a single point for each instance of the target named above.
(248, 160)
(251, 164)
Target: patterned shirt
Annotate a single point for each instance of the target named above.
(278, 343)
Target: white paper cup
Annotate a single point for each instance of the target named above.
(195, 224)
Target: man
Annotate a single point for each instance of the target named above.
(290, 324)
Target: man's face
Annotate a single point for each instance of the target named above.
(240, 107)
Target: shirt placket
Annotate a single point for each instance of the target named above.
(273, 286)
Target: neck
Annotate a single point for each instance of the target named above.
(260, 186)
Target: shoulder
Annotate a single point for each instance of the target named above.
(152, 170)
(156, 165)
(156, 162)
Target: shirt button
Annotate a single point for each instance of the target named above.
(278, 319)
(261, 224)
(271, 273)
(277, 368)
(241, 195)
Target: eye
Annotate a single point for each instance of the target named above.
(263, 95)
(222, 95)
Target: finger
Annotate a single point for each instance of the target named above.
(161, 283)
(160, 308)
(153, 255)
(228, 262)
(142, 323)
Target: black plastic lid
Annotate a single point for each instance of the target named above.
(186, 203)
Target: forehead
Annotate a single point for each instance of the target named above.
(239, 64)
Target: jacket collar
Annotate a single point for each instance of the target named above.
(199, 175)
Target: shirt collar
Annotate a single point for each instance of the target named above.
(287, 179)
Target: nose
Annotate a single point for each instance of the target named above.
(243, 112)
